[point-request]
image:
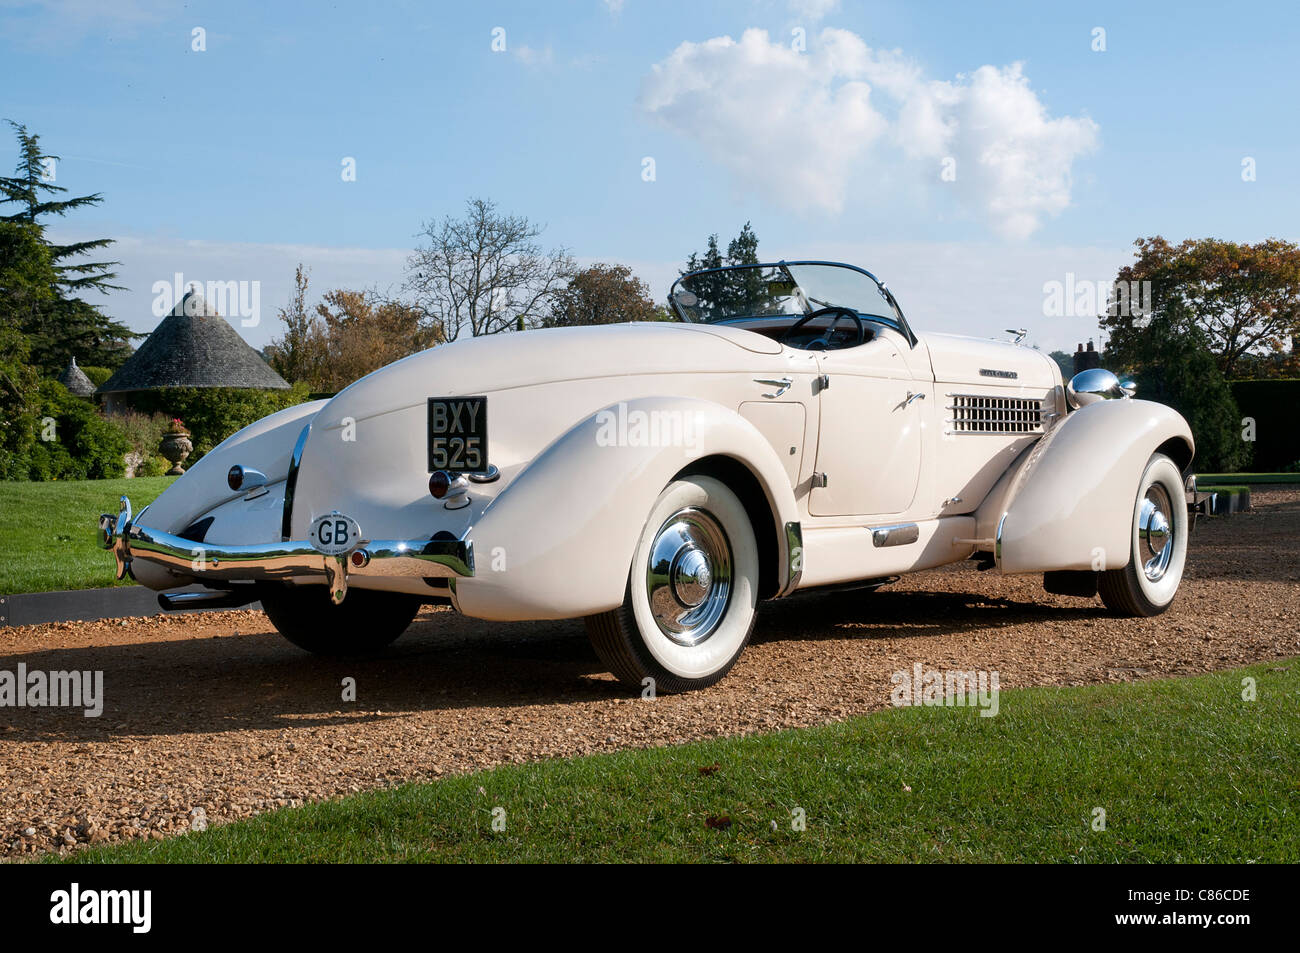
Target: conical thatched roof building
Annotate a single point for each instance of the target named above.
(76, 381)
(194, 346)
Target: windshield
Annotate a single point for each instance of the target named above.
(784, 289)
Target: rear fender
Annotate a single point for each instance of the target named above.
(558, 541)
(265, 445)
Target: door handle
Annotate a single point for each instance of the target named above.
(919, 395)
(782, 384)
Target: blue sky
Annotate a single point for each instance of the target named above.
(225, 164)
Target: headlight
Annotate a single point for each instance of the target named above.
(1094, 384)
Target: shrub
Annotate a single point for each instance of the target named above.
(97, 375)
(212, 414)
(17, 405)
(82, 445)
(145, 433)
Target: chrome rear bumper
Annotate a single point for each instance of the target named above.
(130, 539)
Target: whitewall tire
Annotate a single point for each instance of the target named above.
(1157, 545)
(692, 592)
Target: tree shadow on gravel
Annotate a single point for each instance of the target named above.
(258, 681)
(887, 614)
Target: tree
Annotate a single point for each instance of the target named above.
(365, 331)
(1244, 299)
(1065, 361)
(485, 273)
(729, 292)
(743, 249)
(604, 294)
(62, 325)
(349, 334)
(18, 400)
(26, 288)
(300, 354)
(1173, 365)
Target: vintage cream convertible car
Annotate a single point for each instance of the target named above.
(788, 432)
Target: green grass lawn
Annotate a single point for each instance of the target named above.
(49, 536)
(1185, 769)
(1208, 480)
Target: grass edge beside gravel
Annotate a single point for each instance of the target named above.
(1185, 770)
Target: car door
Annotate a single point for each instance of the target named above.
(870, 436)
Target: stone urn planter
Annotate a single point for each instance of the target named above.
(176, 446)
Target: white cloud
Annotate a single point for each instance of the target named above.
(779, 118)
(813, 10)
(806, 126)
(615, 7)
(531, 56)
(53, 23)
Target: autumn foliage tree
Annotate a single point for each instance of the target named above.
(604, 294)
(1243, 299)
(365, 331)
(345, 337)
(1214, 306)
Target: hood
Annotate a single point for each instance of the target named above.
(957, 359)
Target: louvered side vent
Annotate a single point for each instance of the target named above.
(970, 413)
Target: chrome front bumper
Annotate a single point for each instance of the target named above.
(130, 539)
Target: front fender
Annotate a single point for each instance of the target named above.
(558, 541)
(1069, 504)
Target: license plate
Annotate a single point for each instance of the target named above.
(458, 434)
(334, 534)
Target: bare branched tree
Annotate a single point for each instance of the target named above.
(484, 273)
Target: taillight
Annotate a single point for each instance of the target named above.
(439, 483)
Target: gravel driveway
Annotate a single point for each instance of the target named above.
(216, 715)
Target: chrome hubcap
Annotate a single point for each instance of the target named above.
(688, 577)
(1155, 532)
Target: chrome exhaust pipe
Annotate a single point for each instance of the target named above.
(216, 599)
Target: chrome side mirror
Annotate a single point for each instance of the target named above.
(1094, 384)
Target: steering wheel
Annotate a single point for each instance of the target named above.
(823, 343)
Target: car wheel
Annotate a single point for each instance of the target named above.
(692, 592)
(362, 624)
(1158, 545)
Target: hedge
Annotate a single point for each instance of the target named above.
(211, 414)
(1273, 405)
